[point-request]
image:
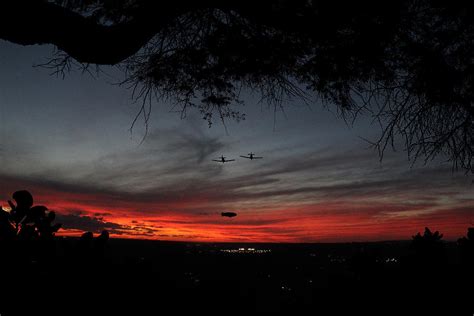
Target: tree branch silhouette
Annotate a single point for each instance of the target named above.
(408, 63)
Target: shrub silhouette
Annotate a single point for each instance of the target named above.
(429, 247)
(466, 247)
(26, 221)
(28, 235)
(90, 247)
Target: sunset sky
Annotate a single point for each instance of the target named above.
(68, 142)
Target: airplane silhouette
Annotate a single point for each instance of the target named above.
(222, 159)
(251, 156)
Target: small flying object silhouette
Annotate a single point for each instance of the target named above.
(228, 214)
(222, 159)
(251, 156)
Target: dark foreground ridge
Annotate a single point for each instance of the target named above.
(97, 276)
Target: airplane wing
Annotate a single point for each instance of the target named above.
(257, 157)
(230, 160)
(217, 160)
(245, 157)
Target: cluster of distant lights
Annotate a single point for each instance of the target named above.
(246, 250)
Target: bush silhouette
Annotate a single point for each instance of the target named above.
(466, 247)
(90, 247)
(26, 221)
(27, 233)
(429, 248)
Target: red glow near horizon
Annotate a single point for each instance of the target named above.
(291, 227)
(327, 228)
(273, 222)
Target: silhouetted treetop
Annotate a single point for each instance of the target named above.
(466, 248)
(428, 237)
(408, 63)
(428, 246)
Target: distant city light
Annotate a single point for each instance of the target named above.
(246, 250)
(391, 260)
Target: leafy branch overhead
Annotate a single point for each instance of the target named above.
(408, 63)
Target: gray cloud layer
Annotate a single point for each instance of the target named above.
(184, 172)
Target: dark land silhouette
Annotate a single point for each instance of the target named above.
(45, 274)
